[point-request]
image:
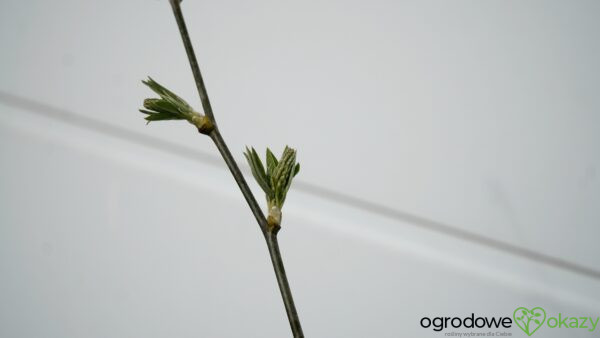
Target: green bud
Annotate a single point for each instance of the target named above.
(276, 180)
(171, 107)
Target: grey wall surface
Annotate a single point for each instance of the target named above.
(449, 152)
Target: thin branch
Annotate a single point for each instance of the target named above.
(215, 135)
(192, 57)
(284, 287)
(270, 233)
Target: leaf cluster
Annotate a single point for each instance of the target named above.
(276, 179)
(168, 107)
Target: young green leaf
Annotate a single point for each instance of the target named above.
(161, 117)
(168, 107)
(277, 178)
(271, 163)
(258, 170)
(168, 95)
(281, 175)
(162, 106)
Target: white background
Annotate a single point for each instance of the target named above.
(430, 134)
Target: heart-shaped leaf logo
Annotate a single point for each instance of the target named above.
(529, 320)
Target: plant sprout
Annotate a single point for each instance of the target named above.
(276, 180)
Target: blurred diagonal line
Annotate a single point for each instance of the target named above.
(99, 126)
(446, 229)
